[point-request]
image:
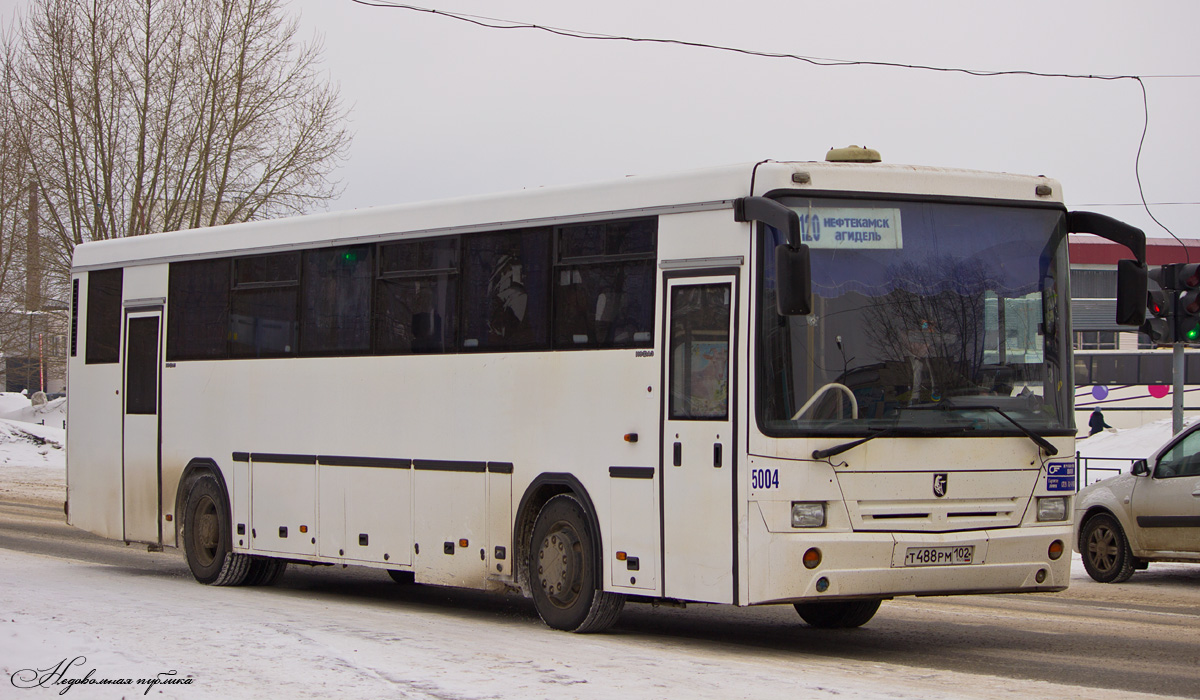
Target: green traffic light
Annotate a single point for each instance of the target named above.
(1193, 332)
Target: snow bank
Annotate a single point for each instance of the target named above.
(31, 445)
(1131, 443)
(19, 408)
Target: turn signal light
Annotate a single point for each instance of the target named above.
(812, 558)
(1056, 550)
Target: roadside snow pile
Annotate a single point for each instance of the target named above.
(18, 407)
(31, 445)
(1131, 443)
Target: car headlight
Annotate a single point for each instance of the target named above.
(1051, 509)
(808, 514)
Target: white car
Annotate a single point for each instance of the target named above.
(1150, 514)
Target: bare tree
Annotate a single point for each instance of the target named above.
(141, 116)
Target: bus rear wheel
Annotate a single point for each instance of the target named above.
(264, 571)
(207, 536)
(841, 614)
(562, 557)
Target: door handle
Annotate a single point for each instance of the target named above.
(717, 455)
(678, 454)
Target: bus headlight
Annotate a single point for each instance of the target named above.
(1050, 509)
(808, 514)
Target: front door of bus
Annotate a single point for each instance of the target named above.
(140, 450)
(698, 461)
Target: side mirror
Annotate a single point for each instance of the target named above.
(1140, 468)
(1131, 293)
(793, 280)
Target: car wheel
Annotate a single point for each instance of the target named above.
(1106, 553)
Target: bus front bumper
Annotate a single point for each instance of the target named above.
(883, 565)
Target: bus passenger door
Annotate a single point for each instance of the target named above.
(698, 458)
(140, 463)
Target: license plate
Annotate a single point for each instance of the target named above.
(939, 556)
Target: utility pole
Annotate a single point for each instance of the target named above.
(33, 277)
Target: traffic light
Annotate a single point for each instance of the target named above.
(1187, 314)
(1159, 326)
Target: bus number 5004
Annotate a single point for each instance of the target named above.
(764, 478)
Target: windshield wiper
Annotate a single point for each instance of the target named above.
(838, 449)
(1040, 441)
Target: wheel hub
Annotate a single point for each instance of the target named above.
(560, 565)
(207, 531)
(1102, 548)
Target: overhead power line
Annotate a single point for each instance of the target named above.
(498, 23)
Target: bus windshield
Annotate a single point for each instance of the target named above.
(927, 316)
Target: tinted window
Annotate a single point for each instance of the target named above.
(604, 285)
(1083, 370)
(103, 317)
(198, 310)
(416, 297)
(337, 301)
(419, 257)
(141, 367)
(262, 321)
(1114, 369)
(506, 290)
(267, 269)
(1153, 369)
(607, 239)
(74, 316)
(416, 315)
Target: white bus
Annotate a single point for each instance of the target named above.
(762, 384)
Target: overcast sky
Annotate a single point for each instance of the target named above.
(443, 108)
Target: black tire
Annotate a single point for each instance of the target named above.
(562, 570)
(838, 614)
(1105, 549)
(404, 578)
(265, 571)
(207, 536)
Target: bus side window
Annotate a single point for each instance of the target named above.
(335, 313)
(103, 323)
(262, 321)
(198, 310)
(604, 285)
(506, 290)
(416, 297)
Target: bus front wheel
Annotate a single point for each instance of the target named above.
(207, 536)
(562, 557)
(840, 614)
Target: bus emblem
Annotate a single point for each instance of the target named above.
(939, 484)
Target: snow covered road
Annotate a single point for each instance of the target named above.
(71, 604)
(255, 643)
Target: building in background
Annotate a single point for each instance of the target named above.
(1117, 369)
